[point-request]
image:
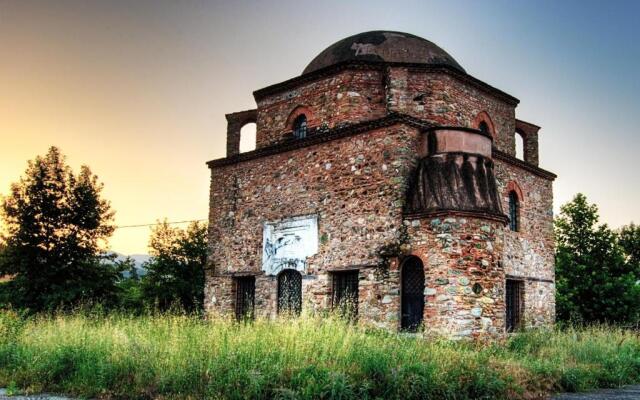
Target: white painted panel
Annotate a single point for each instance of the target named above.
(287, 244)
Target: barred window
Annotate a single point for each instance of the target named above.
(289, 292)
(514, 211)
(514, 300)
(245, 297)
(345, 293)
(412, 294)
(300, 127)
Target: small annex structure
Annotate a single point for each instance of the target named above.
(384, 184)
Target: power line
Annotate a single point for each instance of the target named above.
(156, 223)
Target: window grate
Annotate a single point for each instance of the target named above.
(345, 293)
(245, 297)
(514, 304)
(514, 210)
(412, 293)
(290, 292)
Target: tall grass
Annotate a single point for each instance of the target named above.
(176, 356)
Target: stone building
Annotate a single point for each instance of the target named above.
(384, 183)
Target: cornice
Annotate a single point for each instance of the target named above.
(497, 217)
(509, 159)
(380, 66)
(321, 136)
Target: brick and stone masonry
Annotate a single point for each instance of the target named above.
(387, 175)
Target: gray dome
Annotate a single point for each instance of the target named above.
(385, 46)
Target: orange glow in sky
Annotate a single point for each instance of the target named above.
(138, 90)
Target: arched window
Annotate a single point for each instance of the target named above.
(514, 211)
(300, 127)
(248, 137)
(484, 128)
(484, 124)
(519, 145)
(289, 292)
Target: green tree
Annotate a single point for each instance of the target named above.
(594, 281)
(630, 242)
(130, 297)
(175, 272)
(56, 226)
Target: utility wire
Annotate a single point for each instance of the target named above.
(160, 222)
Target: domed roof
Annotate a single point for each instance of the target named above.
(383, 46)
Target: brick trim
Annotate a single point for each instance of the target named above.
(459, 128)
(318, 136)
(239, 274)
(513, 186)
(235, 122)
(298, 111)
(355, 267)
(528, 124)
(458, 213)
(528, 278)
(381, 66)
(509, 159)
(483, 116)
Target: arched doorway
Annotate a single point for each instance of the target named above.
(289, 292)
(412, 293)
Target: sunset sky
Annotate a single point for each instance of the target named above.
(138, 89)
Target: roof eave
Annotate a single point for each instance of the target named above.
(380, 65)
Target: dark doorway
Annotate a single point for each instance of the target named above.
(412, 293)
(245, 297)
(289, 292)
(514, 304)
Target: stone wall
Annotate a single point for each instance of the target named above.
(366, 94)
(348, 97)
(460, 254)
(444, 100)
(529, 253)
(355, 186)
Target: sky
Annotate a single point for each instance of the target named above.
(138, 90)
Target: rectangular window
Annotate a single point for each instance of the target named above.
(514, 300)
(345, 293)
(245, 297)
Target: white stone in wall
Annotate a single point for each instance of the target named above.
(287, 244)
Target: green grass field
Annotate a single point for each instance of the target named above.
(172, 356)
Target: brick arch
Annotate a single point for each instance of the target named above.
(297, 111)
(422, 257)
(513, 186)
(483, 116)
(235, 122)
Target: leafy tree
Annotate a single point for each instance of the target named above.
(57, 224)
(630, 242)
(175, 272)
(130, 292)
(594, 281)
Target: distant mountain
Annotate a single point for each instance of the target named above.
(139, 260)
